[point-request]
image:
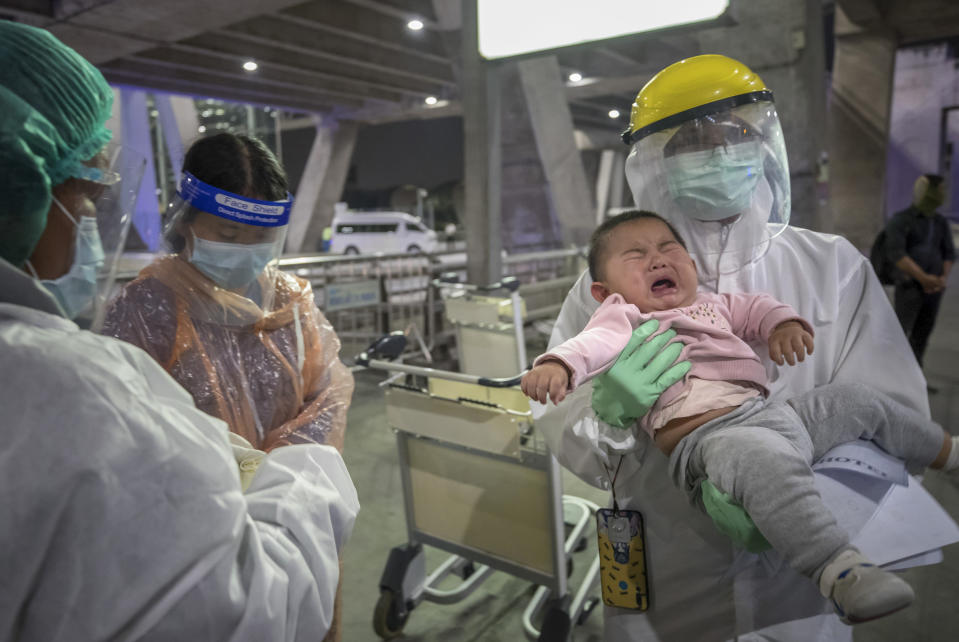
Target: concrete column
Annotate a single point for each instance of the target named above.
(481, 166)
(179, 122)
(617, 185)
(529, 220)
(604, 182)
(858, 124)
(135, 135)
(321, 185)
(782, 41)
(552, 125)
(449, 20)
(308, 193)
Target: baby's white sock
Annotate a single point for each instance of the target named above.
(846, 559)
(952, 462)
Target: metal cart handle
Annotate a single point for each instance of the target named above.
(508, 283)
(380, 354)
(447, 279)
(378, 364)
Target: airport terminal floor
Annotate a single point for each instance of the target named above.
(493, 612)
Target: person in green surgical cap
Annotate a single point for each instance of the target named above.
(919, 243)
(124, 513)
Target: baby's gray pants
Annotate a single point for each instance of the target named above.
(760, 454)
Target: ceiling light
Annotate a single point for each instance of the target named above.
(201, 128)
(249, 65)
(614, 113)
(430, 100)
(575, 76)
(414, 25)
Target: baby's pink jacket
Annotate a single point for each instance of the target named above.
(715, 329)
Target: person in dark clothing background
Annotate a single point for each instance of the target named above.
(919, 243)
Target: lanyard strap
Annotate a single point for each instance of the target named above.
(612, 482)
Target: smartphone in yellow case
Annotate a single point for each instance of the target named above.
(622, 558)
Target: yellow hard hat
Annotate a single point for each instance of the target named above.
(691, 88)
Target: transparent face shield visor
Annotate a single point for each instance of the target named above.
(232, 240)
(108, 185)
(722, 179)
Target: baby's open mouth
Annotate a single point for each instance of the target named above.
(663, 285)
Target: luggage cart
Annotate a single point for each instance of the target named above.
(489, 329)
(480, 484)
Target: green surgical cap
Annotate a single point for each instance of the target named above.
(53, 109)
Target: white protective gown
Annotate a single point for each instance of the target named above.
(702, 587)
(123, 517)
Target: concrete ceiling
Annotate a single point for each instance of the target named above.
(352, 59)
(356, 59)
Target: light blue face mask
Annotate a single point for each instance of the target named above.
(77, 289)
(717, 183)
(231, 265)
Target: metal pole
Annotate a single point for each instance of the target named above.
(278, 134)
(250, 121)
(160, 156)
(517, 303)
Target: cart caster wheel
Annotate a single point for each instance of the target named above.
(387, 623)
(465, 570)
(588, 607)
(556, 626)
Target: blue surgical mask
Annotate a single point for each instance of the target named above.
(231, 265)
(77, 289)
(717, 183)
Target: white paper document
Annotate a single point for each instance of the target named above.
(866, 460)
(909, 522)
(889, 516)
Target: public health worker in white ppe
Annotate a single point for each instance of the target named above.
(708, 155)
(123, 514)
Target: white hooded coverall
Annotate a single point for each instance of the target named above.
(123, 517)
(702, 587)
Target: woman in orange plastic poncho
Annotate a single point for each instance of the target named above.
(245, 339)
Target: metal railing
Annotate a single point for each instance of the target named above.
(367, 296)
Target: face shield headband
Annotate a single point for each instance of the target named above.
(724, 104)
(234, 207)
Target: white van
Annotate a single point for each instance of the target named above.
(373, 232)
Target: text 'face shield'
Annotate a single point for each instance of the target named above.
(722, 179)
(230, 239)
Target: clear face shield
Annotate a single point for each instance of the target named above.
(233, 242)
(99, 201)
(722, 179)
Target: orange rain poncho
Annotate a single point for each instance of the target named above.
(274, 376)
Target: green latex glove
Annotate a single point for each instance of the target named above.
(643, 370)
(732, 520)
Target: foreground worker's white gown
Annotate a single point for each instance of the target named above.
(123, 516)
(702, 587)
